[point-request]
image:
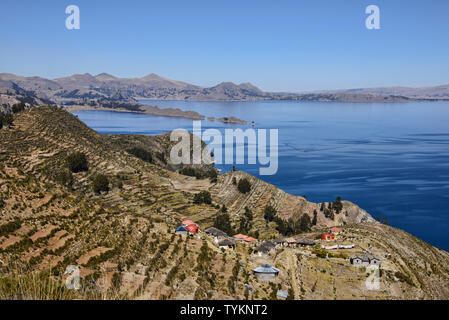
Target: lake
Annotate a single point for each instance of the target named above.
(391, 159)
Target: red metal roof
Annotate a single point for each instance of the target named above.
(192, 228)
(187, 222)
(246, 238)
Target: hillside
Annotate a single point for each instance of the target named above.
(124, 243)
(106, 90)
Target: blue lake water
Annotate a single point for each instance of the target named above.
(390, 159)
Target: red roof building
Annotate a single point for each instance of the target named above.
(242, 237)
(193, 228)
(187, 222)
(327, 237)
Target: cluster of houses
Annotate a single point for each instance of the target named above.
(188, 227)
(268, 247)
(363, 260)
(267, 272)
(228, 243)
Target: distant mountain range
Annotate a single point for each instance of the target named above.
(86, 89)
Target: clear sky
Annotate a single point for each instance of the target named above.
(278, 45)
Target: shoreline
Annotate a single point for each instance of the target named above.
(156, 111)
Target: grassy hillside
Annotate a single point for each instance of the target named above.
(123, 241)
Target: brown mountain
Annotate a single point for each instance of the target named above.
(86, 88)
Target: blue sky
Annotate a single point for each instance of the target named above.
(277, 45)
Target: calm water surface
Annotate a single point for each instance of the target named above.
(390, 159)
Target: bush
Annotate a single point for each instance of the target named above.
(16, 108)
(100, 183)
(223, 222)
(305, 223)
(9, 227)
(203, 197)
(6, 120)
(244, 186)
(141, 154)
(188, 172)
(64, 177)
(269, 213)
(77, 162)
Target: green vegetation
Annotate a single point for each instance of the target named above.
(100, 183)
(314, 220)
(18, 107)
(319, 252)
(289, 227)
(244, 186)
(223, 222)
(63, 177)
(77, 162)
(9, 227)
(246, 221)
(269, 213)
(6, 120)
(141, 154)
(202, 197)
(304, 223)
(200, 173)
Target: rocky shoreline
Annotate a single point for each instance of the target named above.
(156, 111)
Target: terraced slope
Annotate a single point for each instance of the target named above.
(123, 240)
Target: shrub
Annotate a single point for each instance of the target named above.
(18, 107)
(202, 197)
(223, 222)
(141, 154)
(6, 120)
(9, 227)
(77, 162)
(269, 213)
(100, 183)
(244, 186)
(64, 177)
(188, 172)
(304, 223)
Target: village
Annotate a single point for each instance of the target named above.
(329, 244)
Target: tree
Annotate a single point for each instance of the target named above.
(202, 197)
(338, 205)
(223, 222)
(314, 220)
(141, 154)
(6, 120)
(18, 107)
(244, 186)
(329, 213)
(100, 183)
(304, 223)
(63, 177)
(269, 213)
(77, 162)
(246, 221)
(188, 172)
